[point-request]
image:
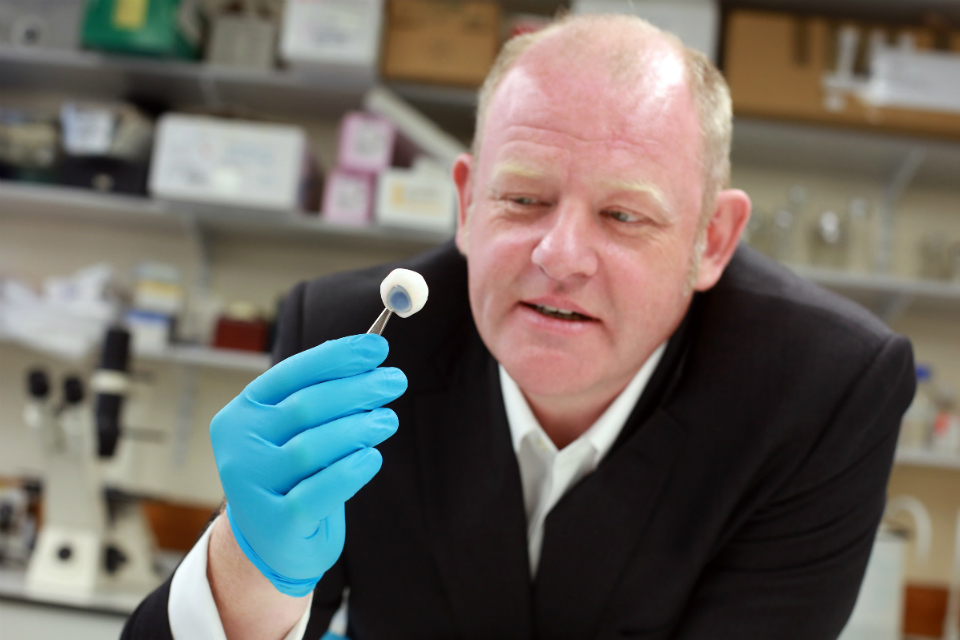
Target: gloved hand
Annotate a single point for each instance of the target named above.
(295, 445)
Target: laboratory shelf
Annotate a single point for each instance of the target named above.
(89, 74)
(194, 355)
(232, 359)
(888, 296)
(841, 151)
(922, 458)
(768, 143)
(56, 203)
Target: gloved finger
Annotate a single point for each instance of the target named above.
(314, 498)
(317, 448)
(331, 360)
(334, 399)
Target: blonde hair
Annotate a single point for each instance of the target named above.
(710, 93)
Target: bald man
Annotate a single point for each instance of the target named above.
(618, 423)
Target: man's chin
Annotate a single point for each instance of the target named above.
(546, 377)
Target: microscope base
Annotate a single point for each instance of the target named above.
(65, 558)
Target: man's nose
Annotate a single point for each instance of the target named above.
(568, 248)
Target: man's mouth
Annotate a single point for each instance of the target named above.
(560, 314)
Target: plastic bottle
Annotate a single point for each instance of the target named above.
(918, 420)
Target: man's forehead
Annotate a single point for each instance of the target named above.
(580, 102)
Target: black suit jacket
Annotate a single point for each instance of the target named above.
(740, 500)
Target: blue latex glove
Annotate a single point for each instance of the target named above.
(295, 445)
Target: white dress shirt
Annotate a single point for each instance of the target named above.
(191, 610)
(546, 474)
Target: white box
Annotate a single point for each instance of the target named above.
(417, 199)
(47, 24)
(230, 162)
(695, 22)
(348, 197)
(150, 332)
(366, 142)
(332, 34)
(246, 41)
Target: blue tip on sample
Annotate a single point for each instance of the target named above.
(399, 299)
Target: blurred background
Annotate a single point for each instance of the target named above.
(175, 166)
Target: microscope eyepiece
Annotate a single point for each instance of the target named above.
(38, 384)
(72, 390)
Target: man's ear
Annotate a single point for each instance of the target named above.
(726, 224)
(463, 179)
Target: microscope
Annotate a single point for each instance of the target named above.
(92, 539)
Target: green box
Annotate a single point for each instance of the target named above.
(163, 28)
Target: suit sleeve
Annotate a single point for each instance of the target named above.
(794, 569)
(290, 325)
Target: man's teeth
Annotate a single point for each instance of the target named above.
(559, 313)
(555, 310)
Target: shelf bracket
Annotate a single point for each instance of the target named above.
(201, 242)
(892, 193)
(188, 375)
(894, 306)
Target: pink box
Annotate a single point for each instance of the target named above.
(348, 197)
(366, 142)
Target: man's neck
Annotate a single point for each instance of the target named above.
(566, 419)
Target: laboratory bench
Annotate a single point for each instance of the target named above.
(22, 620)
(54, 616)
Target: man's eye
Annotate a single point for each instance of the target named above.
(622, 216)
(523, 200)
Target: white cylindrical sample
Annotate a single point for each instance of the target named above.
(404, 292)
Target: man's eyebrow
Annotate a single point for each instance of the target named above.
(515, 168)
(639, 186)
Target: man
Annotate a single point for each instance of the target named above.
(617, 423)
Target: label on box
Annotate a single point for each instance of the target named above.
(130, 14)
(87, 131)
(420, 200)
(351, 195)
(228, 161)
(348, 198)
(366, 143)
(342, 31)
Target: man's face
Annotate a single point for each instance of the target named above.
(579, 221)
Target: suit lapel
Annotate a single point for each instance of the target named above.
(473, 500)
(592, 532)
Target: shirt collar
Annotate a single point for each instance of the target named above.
(602, 433)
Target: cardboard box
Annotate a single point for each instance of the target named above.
(440, 41)
(229, 162)
(416, 199)
(366, 142)
(775, 64)
(47, 24)
(332, 35)
(169, 28)
(246, 335)
(246, 41)
(348, 197)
